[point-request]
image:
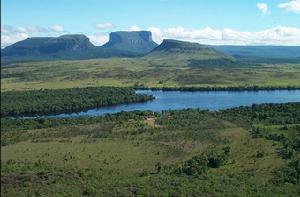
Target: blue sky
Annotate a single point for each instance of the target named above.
(57, 17)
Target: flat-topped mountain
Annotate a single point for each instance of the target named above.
(76, 47)
(173, 47)
(196, 54)
(49, 45)
(140, 43)
(136, 41)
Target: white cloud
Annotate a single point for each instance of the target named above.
(135, 28)
(98, 40)
(104, 26)
(156, 34)
(13, 38)
(11, 34)
(6, 29)
(193, 35)
(57, 28)
(291, 6)
(274, 36)
(263, 7)
(30, 29)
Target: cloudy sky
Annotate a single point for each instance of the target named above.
(251, 22)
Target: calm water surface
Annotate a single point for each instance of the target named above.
(211, 100)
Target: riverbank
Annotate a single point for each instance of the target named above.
(220, 88)
(48, 101)
(175, 100)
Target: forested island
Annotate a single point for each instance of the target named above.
(49, 101)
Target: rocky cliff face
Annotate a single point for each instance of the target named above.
(67, 43)
(136, 41)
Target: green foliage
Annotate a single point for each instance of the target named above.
(181, 152)
(195, 166)
(199, 165)
(286, 153)
(288, 174)
(260, 153)
(44, 102)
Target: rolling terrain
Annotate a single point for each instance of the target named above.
(246, 151)
(144, 72)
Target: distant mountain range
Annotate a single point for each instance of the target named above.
(139, 43)
(76, 47)
(270, 54)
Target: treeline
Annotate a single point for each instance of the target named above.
(267, 114)
(46, 101)
(288, 174)
(18, 124)
(198, 164)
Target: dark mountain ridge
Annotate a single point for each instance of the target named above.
(270, 54)
(49, 45)
(140, 43)
(172, 47)
(77, 47)
(194, 54)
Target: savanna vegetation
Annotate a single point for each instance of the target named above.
(245, 151)
(47, 101)
(154, 72)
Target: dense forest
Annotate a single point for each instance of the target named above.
(47, 101)
(243, 151)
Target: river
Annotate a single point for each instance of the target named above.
(211, 100)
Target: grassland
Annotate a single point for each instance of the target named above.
(146, 72)
(141, 153)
